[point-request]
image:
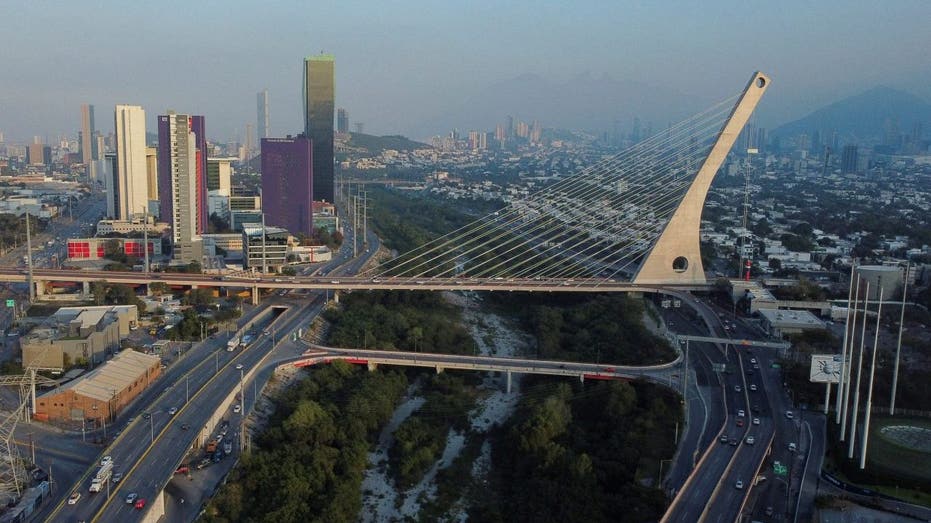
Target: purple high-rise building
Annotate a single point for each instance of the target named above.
(287, 183)
(166, 202)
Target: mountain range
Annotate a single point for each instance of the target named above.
(863, 116)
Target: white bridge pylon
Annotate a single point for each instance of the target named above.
(676, 255)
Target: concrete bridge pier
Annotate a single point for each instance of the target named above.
(86, 289)
(509, 382)
(372, 366)
(582, 378)
(40, 287)
(439, 370)
(255, 295)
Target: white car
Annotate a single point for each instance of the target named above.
(737, 388)
(239, 366)
(753, 387)
(789, 414)
(75, 496)
(237, 408)
(756, 421)
(106, 459)
(750, 440)
(792, 447)
(172, 411)
(741, 413)
(739, 485)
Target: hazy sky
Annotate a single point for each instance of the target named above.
(402, 63)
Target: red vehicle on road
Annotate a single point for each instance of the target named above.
(183, 469)
(140, 503)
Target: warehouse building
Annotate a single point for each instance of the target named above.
(101, 394)
(78, 334)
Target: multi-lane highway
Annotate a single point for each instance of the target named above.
(182, 384)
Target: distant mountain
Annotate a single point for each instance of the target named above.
(863, 116)
(585, 102)
(376, 144)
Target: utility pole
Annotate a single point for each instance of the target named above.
(145, 236)
(869, 393)
(242, 414)
(847, 365)
(365, 208)
(856, 392)
(32, 289)
(898, 345)
(840, 385)
(355, 225)
(264, 258)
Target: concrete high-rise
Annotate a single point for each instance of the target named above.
(131, 191)
(318, 121)
(88, 139)
(180, 173)
(848, 163)
(288, 183)
(151, 172)
(261, 120)
(219, 174)
(342, 121)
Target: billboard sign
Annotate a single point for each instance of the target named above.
(825, 368)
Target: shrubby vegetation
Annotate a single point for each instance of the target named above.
(413, 321)
(309, 462)
(576, 452)
(421, 438)
(606, 328)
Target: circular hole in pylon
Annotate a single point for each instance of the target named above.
(760, 82)
(680, 264)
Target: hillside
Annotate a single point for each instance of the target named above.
(376, 144)
(862, 117)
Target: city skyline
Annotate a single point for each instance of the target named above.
(395, 84)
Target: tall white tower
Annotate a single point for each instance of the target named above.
(262, 115)
(131, 189)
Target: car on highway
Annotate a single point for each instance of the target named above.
(737, 388)
(239, 366)
(792, 447)
(185, 426)
(172, 411)
(131, 498)
(237, 408)
(740, 422)
(734, 442)
(74, 497)
(753, 387)
(753, 361)
(756, 421)
(106, 459)
(723, 439)
(741, 413)
(789, 414)
(183, 469)
(739, 485)
(117, 477)
(140, 503)
(750, 440)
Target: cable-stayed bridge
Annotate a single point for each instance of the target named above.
(632, 217)
(628, 223)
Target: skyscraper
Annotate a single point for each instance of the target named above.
(181, 170)
(131, 184)
(261, 120)
(318, 121)
(288, 183)
(848, 162)
(88, 139)
(342, 121)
